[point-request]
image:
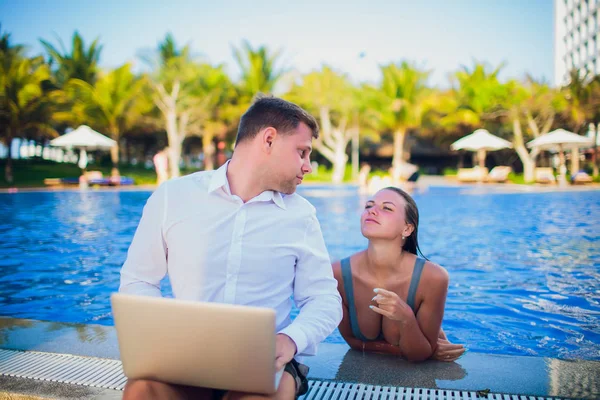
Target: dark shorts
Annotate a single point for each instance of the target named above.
(299, 373)
(295, 369)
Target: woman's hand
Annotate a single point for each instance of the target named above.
(446, 351)
(390, 305)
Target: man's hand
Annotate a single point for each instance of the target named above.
(285, 349)
(446, 351)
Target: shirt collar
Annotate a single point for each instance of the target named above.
(219, 180)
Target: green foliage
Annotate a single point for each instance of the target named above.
(25, 87)
(516, 178)
(260, 70)
(31, 173)
(80, 63)
(450, 172)
(113, 105)
(401, 99)
(40, 96)
(323, 174)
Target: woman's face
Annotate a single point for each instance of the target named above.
(384, 217)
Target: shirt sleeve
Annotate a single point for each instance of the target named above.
(315, 294)
(146, 263)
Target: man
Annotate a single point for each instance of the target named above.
(161, 165)
(241, 235)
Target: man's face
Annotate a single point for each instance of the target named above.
(291, 159)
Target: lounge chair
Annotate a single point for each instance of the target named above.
(475, 174)
(545, 175)
(581, 178)
(499, 174)
(93, 178)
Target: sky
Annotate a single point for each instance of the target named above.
(352, 36)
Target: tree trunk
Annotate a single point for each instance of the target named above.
(8, 167)
(208, 148)
(114, 151)
(175, 156)
(339, 163)
(481, 153)
(527, 159)
(123, 152)
(595, 152)
(355, 152)
(398, 159)
(332, 144)
(574, 160)
(528, 165)
(167, 103)
(174, 143)
(114, 156)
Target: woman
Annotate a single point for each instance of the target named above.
(394, 301)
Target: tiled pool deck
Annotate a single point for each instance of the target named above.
(535, 376)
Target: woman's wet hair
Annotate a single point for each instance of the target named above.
(412, 217)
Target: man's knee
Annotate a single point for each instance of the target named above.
(147, 389)
(139, 388)
(286, 391)
(143, 389)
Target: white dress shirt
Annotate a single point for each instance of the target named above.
(217, 248)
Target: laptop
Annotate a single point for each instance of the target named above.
(212, 345)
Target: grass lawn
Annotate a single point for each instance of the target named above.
(31, 173)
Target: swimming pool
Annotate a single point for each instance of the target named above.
(524, 268)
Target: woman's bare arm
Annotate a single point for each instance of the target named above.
(418, 335)
(430, 315)
(378, 346)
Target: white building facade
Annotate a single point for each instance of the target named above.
(576, 38)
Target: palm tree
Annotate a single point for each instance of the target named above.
(583, 96)
(259, 69)
(401, 104)
(25, 106)
(330, 96)
(170, 74)
(577, 95)
(210, 107)
(113, 104)
(594, 117)
(80, 63)
(167, 50)
(533, 105)
(477, 98)
(186, 93)
(9, 51)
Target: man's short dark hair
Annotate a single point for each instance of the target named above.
(269, 111)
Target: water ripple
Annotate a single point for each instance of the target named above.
(524, 268)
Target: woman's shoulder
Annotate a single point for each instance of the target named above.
(337, 265)
(337, 269)
(435, 273)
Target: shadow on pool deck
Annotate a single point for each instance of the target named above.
(537, 376)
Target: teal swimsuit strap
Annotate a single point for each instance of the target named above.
(414, 283)
(349, 289)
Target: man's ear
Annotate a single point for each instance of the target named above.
(268, 137)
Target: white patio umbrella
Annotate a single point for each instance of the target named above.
(84, 138)
(481, 141)
(558, 140)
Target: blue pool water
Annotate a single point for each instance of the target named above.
(524, 268)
